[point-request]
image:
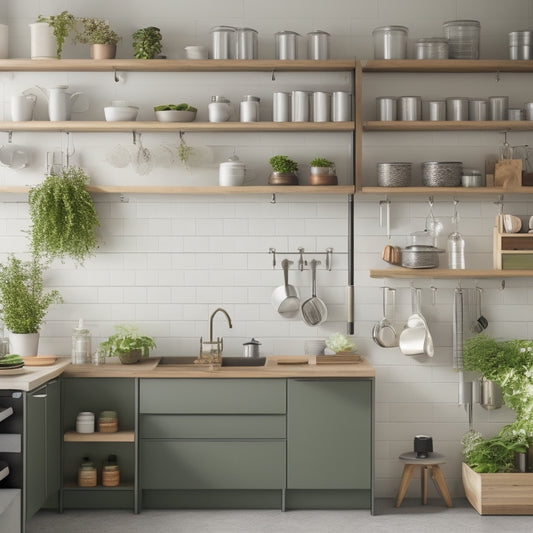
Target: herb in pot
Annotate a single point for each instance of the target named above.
(321, 162)
(147, 42)
(282, 164)
(61, 25)
(127, 339)
(96, 31)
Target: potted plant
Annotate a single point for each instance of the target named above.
(61, 25)
(339, 343)
(490, 464)
(24, 302)
(100, 36)
(322, 172)
(128, 344)
(147, 42)
(283, 171)
(63, 216)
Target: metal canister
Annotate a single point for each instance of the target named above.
(341, 106)
(386, 108)
(246, 44)
(478, 109)
(320, 106)
(251, 348)
(514, 113)
(249, 108)
(463, 38)
(409, 108)
(431, 48)
(318, 45)
(390, 42)
(281, 107)
(434, 110)
(528, 110)
(300, 106)
(223, 42)
(286, 43)
(520, 44)
(498, 106)
(456, 108)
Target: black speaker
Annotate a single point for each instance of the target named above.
(423, 446)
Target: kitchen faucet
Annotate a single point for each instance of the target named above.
(211, 324)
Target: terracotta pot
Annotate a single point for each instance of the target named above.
(283, 178)
(103, 51)
(129, 358)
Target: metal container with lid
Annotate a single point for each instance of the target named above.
(456, 108)
(520, 44)
(250, 108)
(246, 46)
(320, 106)
(223, 42)
(431, 48)
(286, 43)
(463, 38)
(434, 110)
(420, 256)
(390, 42)
(251, 348)
(472, 177)
(442, 173)
(478, 109)
(386, 108)
(395, 174)
(409, 108)
(318, 45)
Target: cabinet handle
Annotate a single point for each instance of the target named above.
(40, 395)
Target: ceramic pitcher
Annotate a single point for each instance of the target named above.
(60, 102)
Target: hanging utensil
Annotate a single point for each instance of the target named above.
(383, 332)
(413, 336)
(314, 310)
(285, 299)
(457, 329)
(480, 322)
(505, 150)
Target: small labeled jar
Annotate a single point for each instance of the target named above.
(250, 108)
(111, 472)
(87, 473)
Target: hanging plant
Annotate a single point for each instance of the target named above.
(63, 216)
(184, 152)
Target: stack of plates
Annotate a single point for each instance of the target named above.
(13, 365)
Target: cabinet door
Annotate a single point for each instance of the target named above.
(53, 441)
(35, 451)
(329, 434)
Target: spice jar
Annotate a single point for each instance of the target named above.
(111, 472)
(87, 473)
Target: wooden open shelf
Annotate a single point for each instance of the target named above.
(72, 485)
(448, 125)
(447, 65)
(118, 436)
(454, 191)
(444, 273)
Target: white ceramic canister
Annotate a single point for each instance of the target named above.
(341, 106)
(300, 106)
(320, 106)
(85, 422)
(42, 41)
(22, 107)
(231, 173)
(250, 108)
(286, 43)
(318, 45)
(281, 107)
(219, 110)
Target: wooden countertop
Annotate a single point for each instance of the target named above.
(32, 377)
(299, 367)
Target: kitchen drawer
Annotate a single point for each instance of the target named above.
(216, 464)
(213, 426)
(213, 396)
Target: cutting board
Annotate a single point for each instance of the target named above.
(508, 173)
(39, 360)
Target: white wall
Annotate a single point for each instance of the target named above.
(165, 263)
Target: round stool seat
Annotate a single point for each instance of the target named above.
(433, 458)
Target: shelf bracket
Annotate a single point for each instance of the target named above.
(273, 199)
(273, 252)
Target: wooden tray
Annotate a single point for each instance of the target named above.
(348, 359)
(39, 360)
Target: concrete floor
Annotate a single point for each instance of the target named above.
(411, 517)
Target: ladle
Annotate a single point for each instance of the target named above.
(383, 332)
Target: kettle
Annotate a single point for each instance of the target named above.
(61, 103)
(251, 348)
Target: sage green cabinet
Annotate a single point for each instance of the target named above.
(329, 434)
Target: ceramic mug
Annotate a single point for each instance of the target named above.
(22, 107)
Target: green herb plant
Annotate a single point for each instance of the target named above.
(96, 31)
(23, 298)
(283, 165)
(174, 107)
(61, 25)
(126, 339)
(147, 42)
(184, 152)
(321, 162)
(337, 342)
(63, 216)
(510, 365)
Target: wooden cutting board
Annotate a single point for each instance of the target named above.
(348, 359)
(39, 360)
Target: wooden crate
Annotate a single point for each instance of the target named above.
(499, 494)
(511, 251)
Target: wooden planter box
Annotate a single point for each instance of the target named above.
(499, 494)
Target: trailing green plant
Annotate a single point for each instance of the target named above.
(96, 31)
(24, 300)
(63, 216)
(321, 162)
(126, 339)
(147, 42)
(510, 365)
(184, 152)
(61, 25)
(282, 164)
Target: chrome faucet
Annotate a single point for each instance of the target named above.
(211, 321)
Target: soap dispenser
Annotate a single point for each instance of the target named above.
(81, 345)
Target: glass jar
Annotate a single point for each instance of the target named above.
(111, 472)
(390, 42)
(431, 48)
(87, 473)
(81, 345)
(463, 38)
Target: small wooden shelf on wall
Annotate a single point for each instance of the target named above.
(448, 125)
(453, 191)
(117, 436)
(444, 273)
(447, 65)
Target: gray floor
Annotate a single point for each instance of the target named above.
(411, 517)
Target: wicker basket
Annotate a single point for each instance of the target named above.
(87, 477)
(110, 477)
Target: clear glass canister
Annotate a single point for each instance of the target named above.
(463, 38)
(250, 108)
(318, 45)
(390, 42)
(431, 48)
(81, 345)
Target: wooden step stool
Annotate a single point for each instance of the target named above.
(431, 463)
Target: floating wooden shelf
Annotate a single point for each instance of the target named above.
(74, 486)
(447, 65)
(102, 126)
(444, 273)
(174, 65)
(119, 436)
(455, 191)
(448, 125)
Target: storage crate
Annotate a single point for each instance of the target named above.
(511, 251)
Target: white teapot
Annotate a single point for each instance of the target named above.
(61, 102)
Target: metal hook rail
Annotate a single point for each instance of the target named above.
(301, 261)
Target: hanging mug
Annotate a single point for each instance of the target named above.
(22, 107)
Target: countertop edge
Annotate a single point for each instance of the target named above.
(34, 376)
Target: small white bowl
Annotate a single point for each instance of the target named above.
(171, 115)
(196, 52)
(120, 113)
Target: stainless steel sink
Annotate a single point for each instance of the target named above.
(226, 361)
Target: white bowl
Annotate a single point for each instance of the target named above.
(171, 115)
(120, 113)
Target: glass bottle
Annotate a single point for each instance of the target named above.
(81, 345)
(456, 244)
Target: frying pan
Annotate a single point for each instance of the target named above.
(285, 298)
(314, 310)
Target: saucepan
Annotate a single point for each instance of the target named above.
(285, 299)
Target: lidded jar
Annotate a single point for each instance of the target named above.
(390, 42)
(318, 45)
(223, 42)
(246, 43)
(231, 172)
(87, 473)
(463, 38)
(81, 345)
(219, 110)
(286, 42)
(111, 472)
(250, 108)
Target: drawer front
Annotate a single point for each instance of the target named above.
(213, 396)
(212, 464)
(213, 426)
